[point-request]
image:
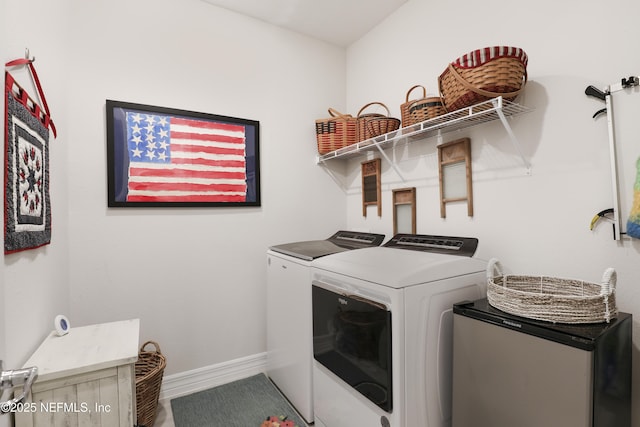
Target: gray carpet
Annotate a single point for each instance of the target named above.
(243, 403)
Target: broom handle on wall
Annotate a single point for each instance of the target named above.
(624, 83)
(614, 168)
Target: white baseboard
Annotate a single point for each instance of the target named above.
(188, 382)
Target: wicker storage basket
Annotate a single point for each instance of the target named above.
(336, 132)
(380, 126)
(483, 74)
(149, 370)
(419, 110)
(371, 125)
(425, 109)
(552, 299)
(404, 108)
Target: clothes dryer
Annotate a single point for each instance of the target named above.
(382, 330)
(289, 342)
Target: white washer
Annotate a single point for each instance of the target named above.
(382, 323)
(289, 340)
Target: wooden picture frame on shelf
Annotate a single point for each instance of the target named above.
(454, 169)
(371, 192)
(404, 210)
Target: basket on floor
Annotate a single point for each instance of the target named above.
(483, 74)
(371, 125)
(552, 299)
(149, 370)
(336, 132)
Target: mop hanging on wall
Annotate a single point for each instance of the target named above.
(27, 206)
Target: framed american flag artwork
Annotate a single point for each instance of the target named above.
(159, 157)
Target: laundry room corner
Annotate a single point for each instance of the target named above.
(196, 277)
(338, 276)
(535, 217)
(186, 273)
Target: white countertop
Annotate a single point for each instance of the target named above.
(86, 349)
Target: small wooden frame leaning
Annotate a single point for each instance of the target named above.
(454, 165)
(371, 193)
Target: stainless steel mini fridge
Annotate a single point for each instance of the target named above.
(511, 371)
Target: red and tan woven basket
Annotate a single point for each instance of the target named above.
(149, 370)
(483, 74)
(371, 125)
(336, 132)
(418, 110)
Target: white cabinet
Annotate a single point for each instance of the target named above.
(85, 378)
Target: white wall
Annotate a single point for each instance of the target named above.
(36, 282)
(195, 277)
(34, 285)
(538, 223)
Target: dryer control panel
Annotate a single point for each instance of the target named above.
(462, 246)
(356, 239)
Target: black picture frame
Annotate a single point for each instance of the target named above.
(166, 157)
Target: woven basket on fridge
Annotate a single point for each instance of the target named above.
(552, 299)
(483, 74)
(149, 370)
(371, 125)
(336, 132)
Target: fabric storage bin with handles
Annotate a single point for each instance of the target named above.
(483, 74)
(336, 132)
(371, 125)
(421, 109)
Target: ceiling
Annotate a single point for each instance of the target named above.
(339, 22)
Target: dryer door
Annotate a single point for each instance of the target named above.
(352, 338)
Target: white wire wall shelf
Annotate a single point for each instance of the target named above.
(487, 111)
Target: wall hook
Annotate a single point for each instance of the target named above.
(26, 55)
(630, 82)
